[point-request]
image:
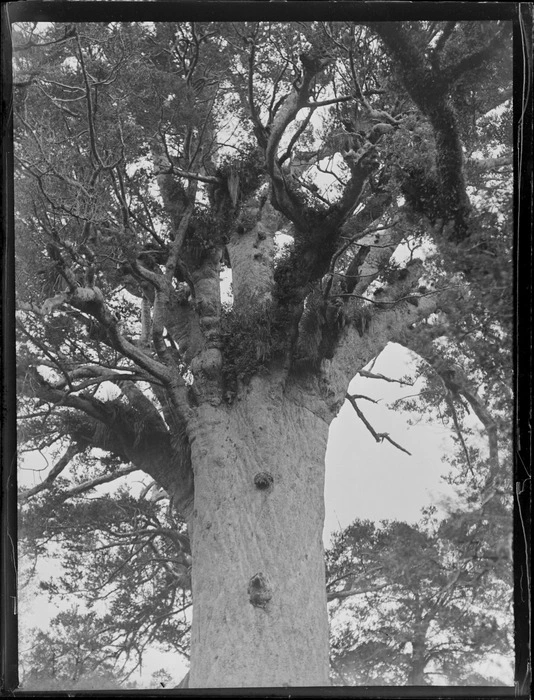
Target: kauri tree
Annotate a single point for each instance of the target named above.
(154, 162)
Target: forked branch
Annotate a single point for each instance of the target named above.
(379, 437)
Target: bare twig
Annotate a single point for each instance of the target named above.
(379, 437)
(72, 450)
(362, 396)
(341, 595)
(333, 101)
(375, 375)
(454, 414)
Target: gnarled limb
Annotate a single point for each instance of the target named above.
(376, 249)
(429, 90)
(443, 38)
(371, 328)
(134, 432)
(91, 301)
(360, 163)
(90, 484)
(296, 100)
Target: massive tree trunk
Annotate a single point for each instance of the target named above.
(259, 593)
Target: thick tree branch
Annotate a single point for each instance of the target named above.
(376, 115)
(366, 336)
(33, 385)
(283, 198)
(443, 38)
(457, 384)
(452, 408)
(300, 130)
(357, 227)
(382, 377)
(259, 129)
(326, 103)
(376, 249)
(91, 301)
(90, 108)
(172, 192)
(93, 374)
(190, 175)
(142, 404)
(134, 432)
(360, 163)
(251, 255)
(98, 481)
(176, 245)
(425, 87)
(490, 426)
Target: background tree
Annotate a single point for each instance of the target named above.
(78, 652)
(431, 603)
(412, 607)
(152, 158)
(126, 563)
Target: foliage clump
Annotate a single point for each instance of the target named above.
(320, 326)
(204, 233)
(422, 193)
(248, 343)
(249, 169)
(210, 227)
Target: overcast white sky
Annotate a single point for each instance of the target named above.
(376, 481)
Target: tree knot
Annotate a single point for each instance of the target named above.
(263, 481)
(259, 591)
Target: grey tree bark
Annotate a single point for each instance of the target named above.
(258, 580)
